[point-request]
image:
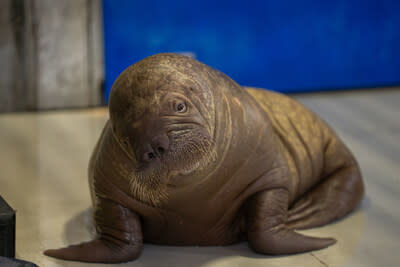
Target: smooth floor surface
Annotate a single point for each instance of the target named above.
(43, 165)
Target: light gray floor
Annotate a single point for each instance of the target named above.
(44, 157)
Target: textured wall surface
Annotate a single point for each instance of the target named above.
(283, 45)
(51, 54)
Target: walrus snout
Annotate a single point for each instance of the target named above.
(154, 149)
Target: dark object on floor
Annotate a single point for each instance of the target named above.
(9, 262)
(7, 229)
(189, 157)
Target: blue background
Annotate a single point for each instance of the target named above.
(287, 45)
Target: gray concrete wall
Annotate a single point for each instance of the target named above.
(51, 54)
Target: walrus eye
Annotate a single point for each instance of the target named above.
(180, 107)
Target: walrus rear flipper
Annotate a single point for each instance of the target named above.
(120, 237)
(340, 192)
(266, 228)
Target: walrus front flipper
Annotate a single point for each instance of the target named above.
(266, 229)
(120, 237)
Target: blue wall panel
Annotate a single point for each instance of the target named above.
(285, 45)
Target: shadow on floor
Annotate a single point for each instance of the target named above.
(80, 228)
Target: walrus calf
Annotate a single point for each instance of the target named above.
(189, 157)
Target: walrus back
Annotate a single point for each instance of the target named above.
(303, 136)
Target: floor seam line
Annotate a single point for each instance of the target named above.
(318, 259)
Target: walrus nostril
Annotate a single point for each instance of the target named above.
(160, 144)
(148, 156)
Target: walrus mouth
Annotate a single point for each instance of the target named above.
(190, 151)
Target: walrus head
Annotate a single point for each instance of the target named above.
(163, 116)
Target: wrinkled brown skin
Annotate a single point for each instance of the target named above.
(272, 167)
